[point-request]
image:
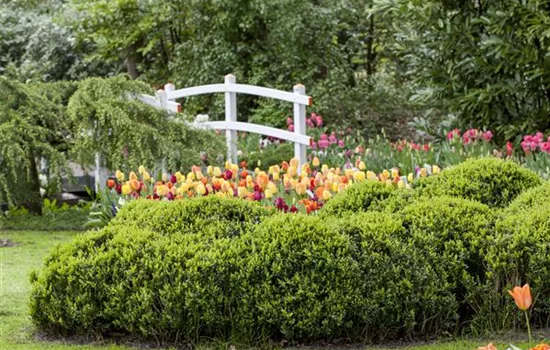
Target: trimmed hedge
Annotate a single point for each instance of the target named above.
(360, 197)
(452, 233)
(299, 280)
(491, 181)
(230, 217)
(401, 292)
(225, 268)
(531, 198)
(520, 253)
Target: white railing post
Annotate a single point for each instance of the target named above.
(231, 116)
(161, 99)
(99, 183)
(300, 125)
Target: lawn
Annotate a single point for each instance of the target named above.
(28, 253)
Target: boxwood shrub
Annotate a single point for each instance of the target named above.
(453, 234)
(139, 282)
(402, 294)
(491, 181)
(231, 216)
(299, 280)
(531, 198)
(520, 253)
(359, 197)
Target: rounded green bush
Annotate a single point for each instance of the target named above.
(299, 280)
(453, 234)
(360, 197)
(533, 197)
(401, 292)
(231, 216)
(139, 282)
(491, 181)
(519, 254)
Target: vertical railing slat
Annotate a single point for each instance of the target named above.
(231, 116)
(300, 125)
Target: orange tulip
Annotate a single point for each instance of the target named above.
(111, 183)
(541, 347)
(488, 347)
(522, 296)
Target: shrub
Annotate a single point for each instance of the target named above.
(490, 181)
(139, 282)
(520, 254)
(401, 292)
(359, 197)
(452, 233)
(230, 215)
(298, 281)
(533, 197)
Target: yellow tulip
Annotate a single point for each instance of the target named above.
(388, 182)
(257, 171)
(179, 177)
(272, 187)
(423, 172)
(162, 190)
(234, 168)
(201, 189)
(141, 169)
(371, 176)
(359, 176)
(268, 194)
(324, 169)
(410, 178)
(132, 176)
(292, 171)
(386, 174)
(326, 195)
(126, 189)
(227, 165)
(362, 165)
(242, 192)
(436, 169)
(276, 176)
(394, 173)
(199, 175)
(146, 176)
(190, 176)
(401, 184)
(210, 170)
(295, 162)
(217, 172)
(119, 175)
(316, 162)
(334, 187)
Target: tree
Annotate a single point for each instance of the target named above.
(484, 62)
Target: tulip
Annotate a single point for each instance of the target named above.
(436, 169)
(111, 183)
(316, 162)
(201, 189)
(141, 169)
(210, 170)
(119, 175)
(162, 190)
(359, 176)
(126, 189)
(276, 176)
(401, 184)
(132, 176)
(362, 165)
(146, 176)
(371, 176)
(268, 194)
(522, 297)
(326, 195)
(488, 347)
(135, 185)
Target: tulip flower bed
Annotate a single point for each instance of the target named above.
(280, 187)
(376, 263)
(346, 148)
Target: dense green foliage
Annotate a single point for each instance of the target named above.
(30, 126)
(490, 181)
(359, 197)
(520, 254)
(129, 133)
(227, 217)
(210, 266)
(529, 199)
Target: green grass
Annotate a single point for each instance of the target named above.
(16, 329)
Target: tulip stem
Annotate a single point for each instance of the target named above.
(528, 328)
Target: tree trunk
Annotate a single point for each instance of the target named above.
(34, 201)
(131, 65)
